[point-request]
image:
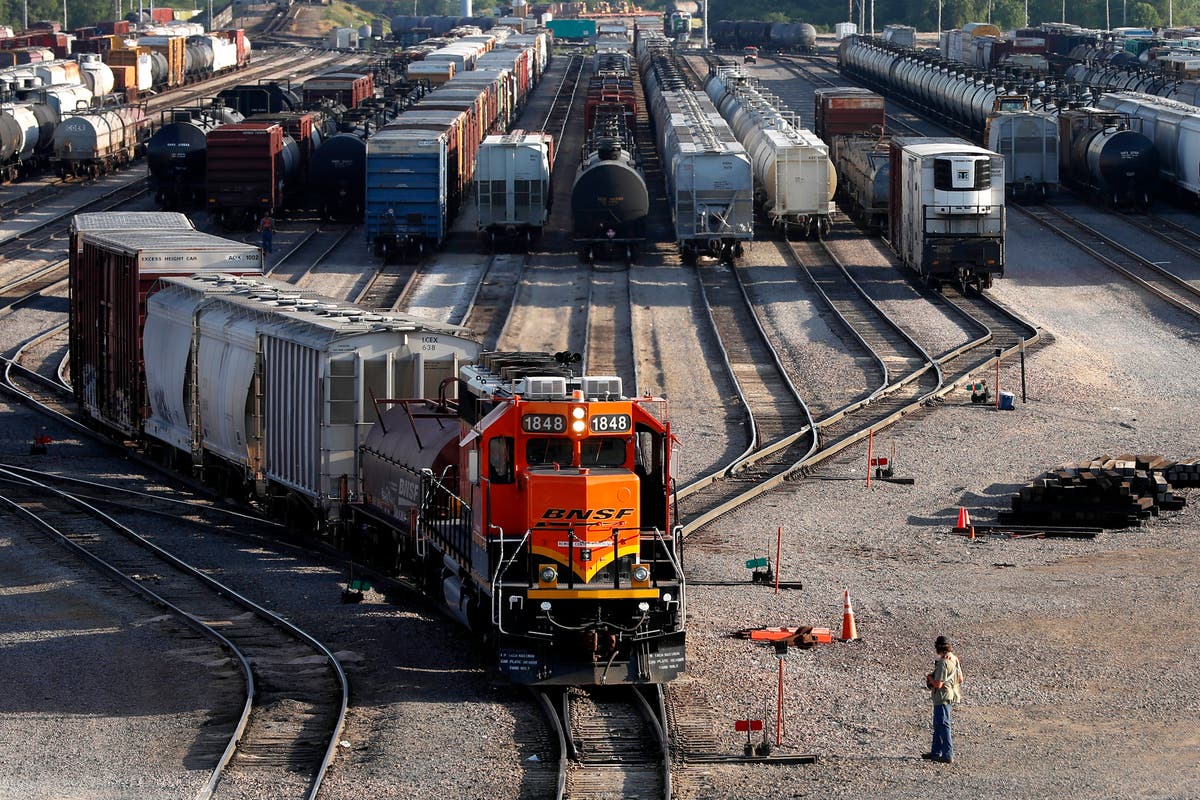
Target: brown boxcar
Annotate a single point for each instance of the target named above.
(848, 110)
(115, 260)
(349, 89)
(250, 168)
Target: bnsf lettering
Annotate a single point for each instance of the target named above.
(586, 513)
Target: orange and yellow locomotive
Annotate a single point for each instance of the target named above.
(537, 507)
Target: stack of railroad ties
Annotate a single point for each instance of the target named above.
(1106, 491)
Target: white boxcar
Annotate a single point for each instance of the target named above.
(844, 29)
(947, 210)
(275, 385)
(1174, 128)
(795, 178)
(512, 185)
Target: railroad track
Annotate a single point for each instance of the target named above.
(1180, 237)
(780, 422)
(493, 299)
(287, 730)
(57, 225)
(614, 742)
(306, 255)
(1142, 271)
(609, 348)
(559, 115)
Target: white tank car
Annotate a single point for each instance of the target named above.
(1174, 128)
(795, 178)
(284, 381)
(710, 179)
(947, 210)
(96, 75)
(95, 142)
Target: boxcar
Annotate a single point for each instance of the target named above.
(250, 168)
(115, 260)
(406, 190)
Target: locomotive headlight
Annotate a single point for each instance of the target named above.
(643, 607)
(667, 597)
(641, 573)
(578, 426)
(548, 576)
(545, 606)
(578, 412)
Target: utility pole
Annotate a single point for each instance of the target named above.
(1064, 13)
(705, 42)
(872, 17)
(939, 21)
(1107, 21)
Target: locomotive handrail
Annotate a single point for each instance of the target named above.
(497, 600)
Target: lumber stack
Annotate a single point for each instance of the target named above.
(1106, 491)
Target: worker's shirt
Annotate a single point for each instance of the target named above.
(947, 670)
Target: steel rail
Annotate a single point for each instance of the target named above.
(1139, 269)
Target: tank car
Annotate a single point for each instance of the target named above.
(609, 199)
(991, 109)
(1102, 154)
(512, 186)
(710, 179)
(794, 178)
(261, 98)
(95, 142)
(946, 210)
(337, 177)
(1174, 128)
(26, 138)
(537, 509)
(177, 153)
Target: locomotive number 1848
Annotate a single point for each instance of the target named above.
(544, 423)
(611, 423)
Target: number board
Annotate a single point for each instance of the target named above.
(611, 423)
(544, 423)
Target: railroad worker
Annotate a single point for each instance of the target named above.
(944, 685)
(267, 226)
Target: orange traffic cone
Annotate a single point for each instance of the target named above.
(964, 521)
(849, 629)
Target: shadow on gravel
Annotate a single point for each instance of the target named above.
(982, 506)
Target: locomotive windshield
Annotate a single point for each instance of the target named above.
(595, 451)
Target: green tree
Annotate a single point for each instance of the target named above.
(1143, 15)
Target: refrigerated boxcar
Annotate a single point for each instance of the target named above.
(947, 210)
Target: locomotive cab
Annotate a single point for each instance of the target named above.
(543, 519)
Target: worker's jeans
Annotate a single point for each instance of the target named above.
(943, 744)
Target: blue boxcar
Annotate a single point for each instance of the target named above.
(406, 191)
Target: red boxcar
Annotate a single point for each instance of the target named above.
(251, 166)
(115, 260)
(117, 27)
(161, 14)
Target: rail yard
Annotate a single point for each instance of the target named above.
(466, 486)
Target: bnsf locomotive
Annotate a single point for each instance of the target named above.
(537, 508)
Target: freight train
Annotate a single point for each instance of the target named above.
(420, 167)
(609, 199)
(794, 178)
(768, 37)
(1104, 154)
(39, 126)
(709, 174)
(533, 503)
(943, 204)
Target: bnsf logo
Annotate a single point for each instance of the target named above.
(585, 514)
